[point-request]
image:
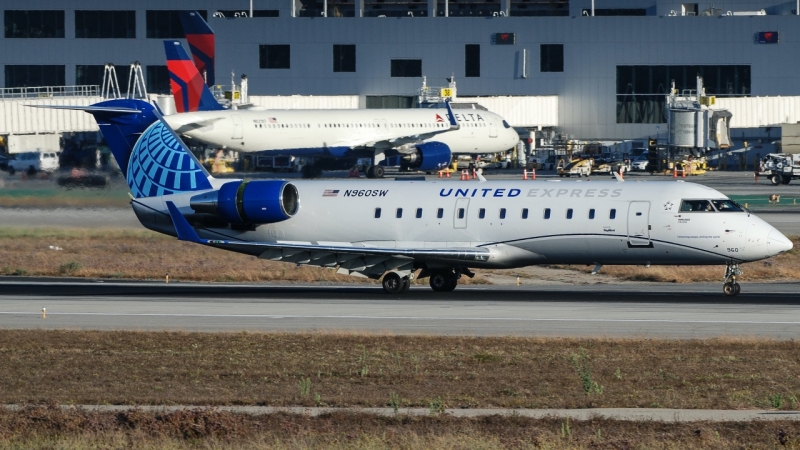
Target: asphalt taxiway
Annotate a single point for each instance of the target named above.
(657, 310)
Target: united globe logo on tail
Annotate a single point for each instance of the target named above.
(159, 165)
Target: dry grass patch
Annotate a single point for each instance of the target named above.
(95, 367)
(52, 427)
(783, 267)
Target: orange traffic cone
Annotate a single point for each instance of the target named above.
(524, 174)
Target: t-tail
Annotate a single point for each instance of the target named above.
(201, 43)
(190, 91)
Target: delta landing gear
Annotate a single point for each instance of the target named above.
(393, 283)
(731, 288)
(447, 280)
(375, 172)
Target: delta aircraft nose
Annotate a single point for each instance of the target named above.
(777, 243)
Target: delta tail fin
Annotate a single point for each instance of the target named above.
(201, 43)
(190, 91)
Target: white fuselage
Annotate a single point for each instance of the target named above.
(336, 132)
(520, 222)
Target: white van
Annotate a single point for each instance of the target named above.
(32, 162)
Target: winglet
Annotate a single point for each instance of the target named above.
(450, 116)
(182, 227)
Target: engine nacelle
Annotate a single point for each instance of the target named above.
(429, 156)
(256, 202)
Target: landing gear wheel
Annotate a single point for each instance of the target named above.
(443, 281)
(378, 171)
(371, 172)
(406, 285)
(393, 283)
(731, 289)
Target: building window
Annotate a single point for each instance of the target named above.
(472, 60)
(481, 213)
(569, 213)
(440, 213)
(105, 24)
(274, 56)
(406, 68)
(377, 213)
(157, 80)
(93, 75)
(642, 90)
(399, 213)
(243, 13)
(30, 76)
(524, 213)
(547, 213)
(34, 24)
(591, 214)
(391, 101)
(344, 58)
(613, 214)
(166, 24)
(502, 213)
(551, 58)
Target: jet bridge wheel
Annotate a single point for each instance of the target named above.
(443, 281)
(393, 283)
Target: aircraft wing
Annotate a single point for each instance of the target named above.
(371, 262)
(399, 141)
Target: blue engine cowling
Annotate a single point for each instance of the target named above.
(431, 156)
(253, 202)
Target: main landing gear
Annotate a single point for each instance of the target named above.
(731, 288)
(375, 172)
(441, 280)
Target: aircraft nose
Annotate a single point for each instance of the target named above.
(777, 243)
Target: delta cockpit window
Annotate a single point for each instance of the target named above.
(726, 206)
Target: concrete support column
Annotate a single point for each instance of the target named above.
(359, 8)
(431, 8)
(505, 7)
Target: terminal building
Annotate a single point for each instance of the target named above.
(587, 70)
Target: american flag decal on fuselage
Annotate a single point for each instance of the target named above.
(330, 193)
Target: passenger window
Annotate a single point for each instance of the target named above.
(377, 213)
(502, 213)
(591, 214)
(613, 214)
(481, 213)
(569, 213)
(440, 213)
(547, 213)
(399, 212)
(696, 206)
(460, 213)
(419, 213)
(524, 213)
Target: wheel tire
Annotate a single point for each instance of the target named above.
(729, 289)
(737, 288)
(378, 171)
(786, 180)
(440, 281)
(393, 283)
(31, 171)
(777, 179)
(371, 172)
(406, 285)
(452, 283)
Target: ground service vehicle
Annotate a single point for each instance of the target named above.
(780, 168)
(579, 168)
(32, 162)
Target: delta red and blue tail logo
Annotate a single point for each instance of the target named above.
(201, 43)
(188, 86)
(439, 118)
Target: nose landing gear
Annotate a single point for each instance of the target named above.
(731, 288)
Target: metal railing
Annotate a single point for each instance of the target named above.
(91, 90)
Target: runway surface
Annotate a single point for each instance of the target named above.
(634, 310)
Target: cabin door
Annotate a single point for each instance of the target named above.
(460, 214)
(492, 130)
(236, 120)
(639, 224)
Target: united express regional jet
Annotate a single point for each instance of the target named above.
(392, 229)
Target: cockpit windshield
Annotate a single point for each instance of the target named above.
(726, 206)
(710, 206)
